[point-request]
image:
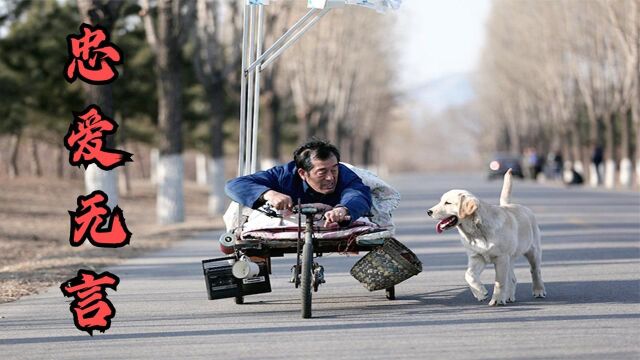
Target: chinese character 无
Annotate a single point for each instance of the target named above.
(86, 137)
(91, 309)
(92, 57)
(91, 215)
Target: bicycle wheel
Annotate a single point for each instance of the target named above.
(307, 268)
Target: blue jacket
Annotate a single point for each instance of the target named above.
(350, 191)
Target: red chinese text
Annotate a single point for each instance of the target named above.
(91, 309)
(92, 57)
(88, 220)
(87, 137)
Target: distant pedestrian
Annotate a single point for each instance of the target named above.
(533, 162)
(556, 164)
(596, 160)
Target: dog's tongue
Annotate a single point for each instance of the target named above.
(443, 223)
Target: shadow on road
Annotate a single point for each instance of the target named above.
(321, 327)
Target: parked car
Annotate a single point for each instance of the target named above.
(500, 163)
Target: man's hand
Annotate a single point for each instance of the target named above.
(277, 200)
(335, 216)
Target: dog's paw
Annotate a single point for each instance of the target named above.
(539, 294)
(480, 295)
(497, 302)
(511, 299)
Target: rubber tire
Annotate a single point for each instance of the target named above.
(390, 293)
(239, 300)
(305, 279)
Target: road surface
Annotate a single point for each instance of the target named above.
(591, 266)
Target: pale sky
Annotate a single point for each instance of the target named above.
(439, 37)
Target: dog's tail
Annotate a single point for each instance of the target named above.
(505, 195)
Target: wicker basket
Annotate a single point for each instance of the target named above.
(386, 266)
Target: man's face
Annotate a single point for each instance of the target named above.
(323, 177)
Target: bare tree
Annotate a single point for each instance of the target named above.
(624, 22)
(216, 58)
(341, 82)
(96, 12)
(165, 38)
(553, 72)
(274, 87)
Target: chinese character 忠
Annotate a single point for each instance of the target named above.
(86, 137)
(91, 309)
(92, 56)
(90, 216)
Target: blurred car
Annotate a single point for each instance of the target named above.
(500, 163)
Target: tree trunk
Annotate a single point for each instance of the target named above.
(61, 161)
(609, 152)
(140, 160)
(514, 137)
(154, 159)
(303, 126)
(36, 169)
(13, 158)
(321, 125)
(217, 200)
(625, 147)
(315, 118)
(94, 177)
(367, 152)
(271, 121)
(95, 12)
(594, 175)
(107, 181)
(170, 200)
(576, 151)
(357, 151)
(567, 157)
(216, 178)
(124, 180)
(201, 169)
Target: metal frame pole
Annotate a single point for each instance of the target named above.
(243, 107)
(280, 40)
(291, 41)
(243, 95)
(250, 84)
(256, 96)
(252, 41)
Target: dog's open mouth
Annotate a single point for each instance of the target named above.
(444, 224)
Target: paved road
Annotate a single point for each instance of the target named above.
(591, 268)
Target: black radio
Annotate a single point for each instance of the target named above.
(221, 283)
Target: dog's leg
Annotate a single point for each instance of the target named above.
(502, 264)
(534, 255)
(476, 265)
(512, 282)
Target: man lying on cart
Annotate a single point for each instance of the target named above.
(314, 176)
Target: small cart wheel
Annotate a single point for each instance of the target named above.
(390, 293)
(307, 268)
(239, 300)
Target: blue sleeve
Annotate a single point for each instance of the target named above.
(356, 197)
(247, 189)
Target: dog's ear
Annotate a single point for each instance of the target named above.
(467, 206)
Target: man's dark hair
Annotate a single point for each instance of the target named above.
(314, 149)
